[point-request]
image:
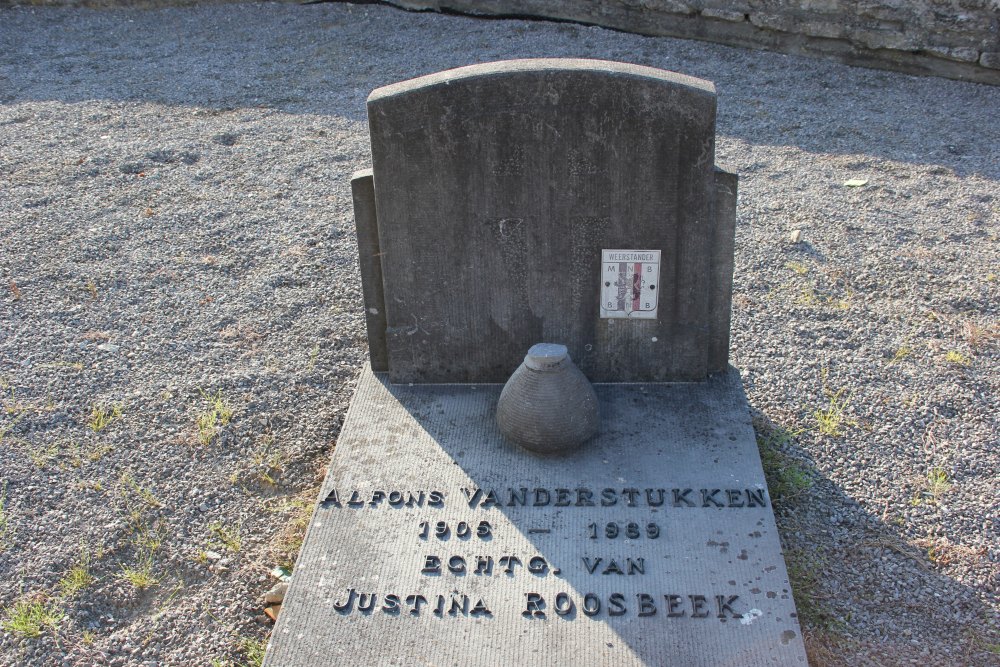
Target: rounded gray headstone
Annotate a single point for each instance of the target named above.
(557, 161)
(548, 405)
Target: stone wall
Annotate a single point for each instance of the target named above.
(958, 39)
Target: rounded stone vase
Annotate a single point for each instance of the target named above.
(548, 405)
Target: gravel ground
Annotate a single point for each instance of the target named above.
(181, 321)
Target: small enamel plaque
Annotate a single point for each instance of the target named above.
(630, 281)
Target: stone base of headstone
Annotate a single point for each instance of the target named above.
(437, 542)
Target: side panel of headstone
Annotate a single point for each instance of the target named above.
(363, 193)
(498, 187)
(723, 251)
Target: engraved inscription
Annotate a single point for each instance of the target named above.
(478, 498)
(644, 605)
(631, 530)
(450, 569)
(507, 564)
(611, 566)
(463, 530)
(395, 604)
(612, 497)
(395, 499)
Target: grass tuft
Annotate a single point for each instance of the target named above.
(292, 535)
(228, 538)
(943, 552)
(313, 357)
(135, 494)
(218, 414)
(831, 420)
(253, 651)
(78, 455)
(141, 575)
(936, 484)
(30, 618)
(797, 267)
(978, 336)
(16, 410)
(268, 463)
(101, 416)
(42, 456)
(6, 530)
(804, 572)
(903, 352)
(78, 577)
(786, 477)
(147, 538)
(956, 358)
(137, 501)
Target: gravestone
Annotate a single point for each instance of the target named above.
(564, 201)
(500, 190)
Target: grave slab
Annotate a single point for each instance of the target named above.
(437, 542)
